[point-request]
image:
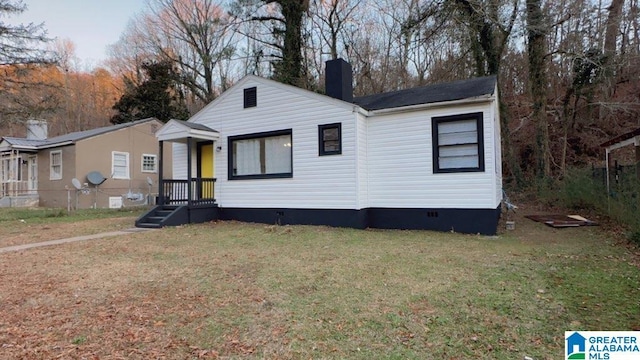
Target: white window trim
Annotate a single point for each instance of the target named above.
(52, 175)
(113, 167)
(155, 163)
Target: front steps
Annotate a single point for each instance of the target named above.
(175, 215)
(164, 215)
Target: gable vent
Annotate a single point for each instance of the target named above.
(250, 97)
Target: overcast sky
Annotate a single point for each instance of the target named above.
(90, 24)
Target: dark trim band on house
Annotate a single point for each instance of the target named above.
(264, 155)
(330, 139)
(467, 221)
(458, 144)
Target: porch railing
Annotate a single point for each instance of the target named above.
(177, 191)
(15, 188)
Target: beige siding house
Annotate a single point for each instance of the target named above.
(113, 166)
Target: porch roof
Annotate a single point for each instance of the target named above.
(12, 143)
(630, 138)
(179, 131)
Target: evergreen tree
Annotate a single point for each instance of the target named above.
(21, 44)
(158, 96)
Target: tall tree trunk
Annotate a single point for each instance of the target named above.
(289, 69)
(536, 33)
(610, 62)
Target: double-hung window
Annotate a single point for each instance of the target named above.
(330, 139)
(457, 143)
(120, 165)
(260, 155)
(55, 165)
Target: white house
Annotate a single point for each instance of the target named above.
(422, 158)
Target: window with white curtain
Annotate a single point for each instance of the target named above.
(261, 156)
(119, 165)
(457, 143)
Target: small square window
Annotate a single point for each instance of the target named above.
(149, 163)
(330, 139)
(250, 97)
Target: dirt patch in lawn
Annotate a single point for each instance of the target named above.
(19, 232)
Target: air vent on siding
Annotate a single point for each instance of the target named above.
(250, 97)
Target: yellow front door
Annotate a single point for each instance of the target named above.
(206, 170)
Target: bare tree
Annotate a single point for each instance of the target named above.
(198, 37)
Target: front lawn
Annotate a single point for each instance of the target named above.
(236, 290)
(20, 226)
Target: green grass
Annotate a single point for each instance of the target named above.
(54, 215)
(293, 292)
(581, 190)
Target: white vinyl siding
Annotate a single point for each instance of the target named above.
(362, 178)
(120, 165)
(55, 165)
(149, 163)
(318, 182)
(386, 159)
(400, 164)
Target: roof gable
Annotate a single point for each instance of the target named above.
(178, 130)
(239, 86)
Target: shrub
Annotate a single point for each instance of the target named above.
(586, 189)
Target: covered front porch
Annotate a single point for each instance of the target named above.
(191, 198)
(18, 177)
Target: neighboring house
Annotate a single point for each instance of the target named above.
(37, 170)
(422, 158)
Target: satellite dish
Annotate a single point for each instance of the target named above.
(149, 181)
(95, 178)
(76, 183)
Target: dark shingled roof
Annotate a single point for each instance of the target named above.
(456, 90)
